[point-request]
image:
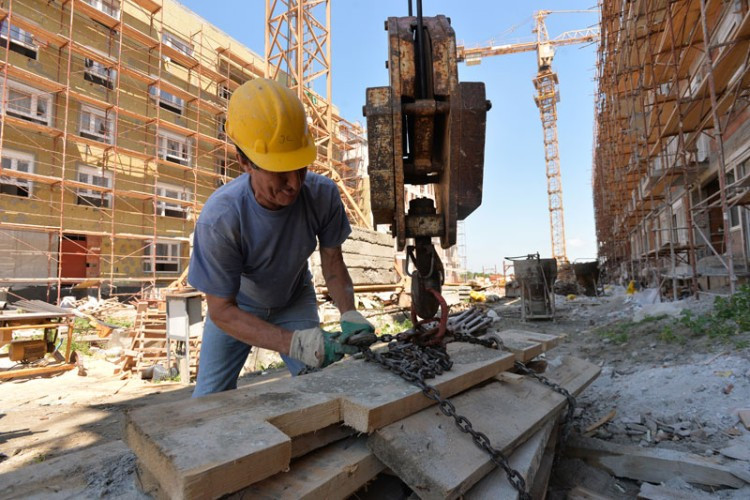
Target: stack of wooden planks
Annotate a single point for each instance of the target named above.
(331, 433)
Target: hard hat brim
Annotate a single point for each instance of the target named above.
(285, 161)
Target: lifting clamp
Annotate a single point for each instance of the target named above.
(425, 129)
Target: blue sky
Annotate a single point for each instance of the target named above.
(513, 218)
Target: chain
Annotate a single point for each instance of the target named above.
(568, 419)
(491, 342)
(416, 364)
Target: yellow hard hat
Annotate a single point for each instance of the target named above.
(267, 122)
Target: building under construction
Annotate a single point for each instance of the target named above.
(112, 133)
(672, 155)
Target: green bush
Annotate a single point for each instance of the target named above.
(729, 316)
(397, 327)
(79, 347)
(121, 322)
(668, 335)
(616, 333)
(82, 324)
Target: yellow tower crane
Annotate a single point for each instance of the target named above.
(546, 99)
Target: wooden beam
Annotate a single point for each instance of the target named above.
(431, 455)
(304, 444)
(333, 473)
(33, 372)
(548, 341)
(527, 460)
(523, 349)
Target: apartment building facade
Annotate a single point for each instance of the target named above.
(111, 137)
(672, 156)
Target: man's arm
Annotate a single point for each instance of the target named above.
(247, 327)
(337, 278)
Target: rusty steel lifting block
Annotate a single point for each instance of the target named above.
(435, 139)
(425, 128)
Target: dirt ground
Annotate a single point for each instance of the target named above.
(658, 375)
(669, 386)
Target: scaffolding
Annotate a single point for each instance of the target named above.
(671, 142)
(112, 139)
(298, 46)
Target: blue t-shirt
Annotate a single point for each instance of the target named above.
(243, 250)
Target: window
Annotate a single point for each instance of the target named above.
(220, 122)
(28, 103)
(109, 7)
(19, 162)
(94, 197)
(179, 193)
(97, 72)
(166, 100)
(732, 18)
(224, 92)
(164, 257)
(174, 148)
(734, 212)
(21, 41)
(96, 125)
(221, 169)
(177, 43)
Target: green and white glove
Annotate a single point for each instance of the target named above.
(352, 322)
(318, 348)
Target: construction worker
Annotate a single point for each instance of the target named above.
(253, 239)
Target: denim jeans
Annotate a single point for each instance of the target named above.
(222, 356)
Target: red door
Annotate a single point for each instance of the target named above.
(73, 256)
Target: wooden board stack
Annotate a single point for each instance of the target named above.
(293, 437)
(334, 433)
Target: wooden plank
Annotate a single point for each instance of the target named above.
(334, 472)
(526, 460)
(304, 444)
(540, 482)
(33, 372)
(432, 456)
(215, 454)
(655, 465)
(548, 341)
(236, 427)
(524, 350)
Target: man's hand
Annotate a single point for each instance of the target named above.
(318, 348)
(353, 323)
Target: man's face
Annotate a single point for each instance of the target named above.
(275, 190)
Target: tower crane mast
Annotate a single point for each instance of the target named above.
(546, 98)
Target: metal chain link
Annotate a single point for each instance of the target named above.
(416, 364)
(491, 342)
(568, 419)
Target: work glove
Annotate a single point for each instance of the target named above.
(318, 348)
(356, 330)
(352, 322)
